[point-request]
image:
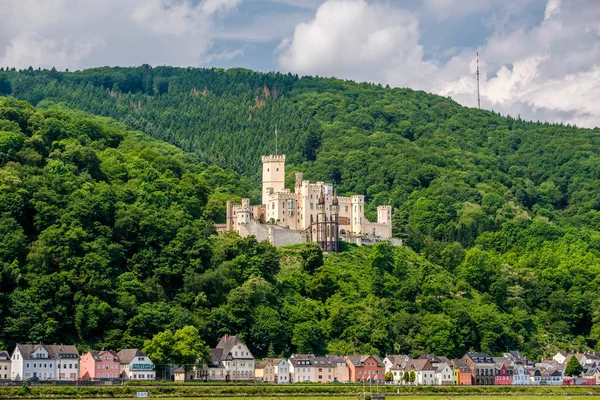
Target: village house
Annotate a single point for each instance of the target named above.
(5, 365)
(231, 360)
(45, 362)
(561, 358)
(181, 374)
(341, 369)
(396, 365)
(443, 373)
(102, 364)
(424, 371)
(282, 370)
(504, 373)
(135, 365)
(301, 368)
(517, 358)
(264, 371)
(482, 366)
(324, 370)
(520, 375)
(552, 377)
(535, 374)
(592, 374)
(366, 368)
(462, 374)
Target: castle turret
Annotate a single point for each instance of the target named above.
(299, 178)
(384, 215)
(273, 175)
(229, 216)
(358, 213)
(334, 225)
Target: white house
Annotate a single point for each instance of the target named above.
(135, 365)
(561, 358)
(5, 365)
(230, 361)
(553, 377)
(443, 374)
(282, 370)
(520, 375)
(396, 365)
(45, 362)
(301, 368)
(424, 371)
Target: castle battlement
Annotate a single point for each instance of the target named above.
(283, 192)
(358, 198)
(344, 200)
(384, 207)
(273, 158)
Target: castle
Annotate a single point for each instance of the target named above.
(311, 213)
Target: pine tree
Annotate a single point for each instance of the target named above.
(574, 367)
(271, 351)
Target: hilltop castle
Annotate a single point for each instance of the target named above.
(311, 213)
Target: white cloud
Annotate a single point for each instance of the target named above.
(550, 70)
(84, 33)
(30, 49)
(552, 8)
(357, 40)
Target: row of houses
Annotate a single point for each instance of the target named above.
(63, 363)
(231, 360)
(482, 369)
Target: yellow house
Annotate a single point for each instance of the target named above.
(265, 371)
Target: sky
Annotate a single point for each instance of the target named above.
(539, 59)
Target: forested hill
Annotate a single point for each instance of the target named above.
(502, 214)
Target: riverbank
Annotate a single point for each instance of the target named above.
(264, 391)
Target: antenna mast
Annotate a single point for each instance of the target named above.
(478, 98)
(275, 139)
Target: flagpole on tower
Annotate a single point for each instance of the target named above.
(478, 98)
(275, 139)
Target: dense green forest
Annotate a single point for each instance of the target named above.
(107, 239)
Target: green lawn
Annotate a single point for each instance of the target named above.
(423, 397)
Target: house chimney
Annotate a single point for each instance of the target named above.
(226, 336)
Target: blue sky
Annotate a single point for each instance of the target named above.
(539, 58)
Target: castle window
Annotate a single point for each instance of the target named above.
(311, 206)
(277, 169)
(346, 208)
(267, 169)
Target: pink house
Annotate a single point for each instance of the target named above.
(504, 375)
(96, 365)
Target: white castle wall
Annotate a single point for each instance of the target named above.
(277, 236)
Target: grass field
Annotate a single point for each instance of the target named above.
(292, 392)
(422, 397)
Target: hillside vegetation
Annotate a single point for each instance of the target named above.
(501, 215)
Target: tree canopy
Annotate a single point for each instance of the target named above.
(106, 232)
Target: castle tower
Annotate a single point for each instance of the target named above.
(299, 179)
(229, 216)
(321, 222)
(384, 215)
(334, 225)
(358, 213)
(273, 177)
